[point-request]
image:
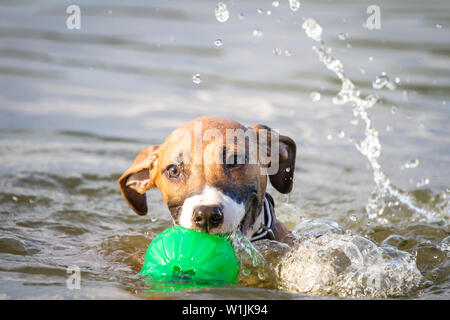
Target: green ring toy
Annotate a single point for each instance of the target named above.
(184, 258)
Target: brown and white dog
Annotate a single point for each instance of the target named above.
(212, 175)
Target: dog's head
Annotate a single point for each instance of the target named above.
(212, 174)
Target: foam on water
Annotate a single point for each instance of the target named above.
(323, 260)
(347, 265)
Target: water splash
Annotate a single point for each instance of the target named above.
(370, 146)
(348, 265)
(252, 267)
(325, 260)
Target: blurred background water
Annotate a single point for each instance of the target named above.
(77, 105)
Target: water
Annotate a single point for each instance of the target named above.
(76, 106)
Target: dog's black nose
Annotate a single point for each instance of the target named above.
(206, 217)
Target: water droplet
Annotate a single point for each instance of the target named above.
(363, 71)
(241, 16)
(312, 29)
(438, 26)
(329, 137)
(275, 4)
(354, 122)
(315, 96)
(370, 58)
(257, 33)
(196, 78)
(397, 80)
(287, 53)
(383, 81)
(260, 11)
(276, 51)
(222, 13)
(354, 217)
(410, 164)
(393, 109)
(294, 5)
(218, 42)
(268, 12)
(288, 170)
(15, 198)
(341, 134)
(422, 182)
(342, 36)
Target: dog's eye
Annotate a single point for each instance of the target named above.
(173, 171)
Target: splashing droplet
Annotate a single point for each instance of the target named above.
(411, 164)
(257, 33)
(423, 182)
(312, 29)
(222, 13)
(315, 96)
(196, 78)
(342, 36)
(276, 51)
(383, 81)
(218, 42)
(294, 5)
(393, 109)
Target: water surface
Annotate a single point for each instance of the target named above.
(77, 105)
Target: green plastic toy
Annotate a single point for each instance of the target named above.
(180, 258)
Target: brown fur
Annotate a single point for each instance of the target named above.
(148, 169)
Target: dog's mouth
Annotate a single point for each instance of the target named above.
(217, 211)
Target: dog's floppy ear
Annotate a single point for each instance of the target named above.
(283, 179)
(137, 179)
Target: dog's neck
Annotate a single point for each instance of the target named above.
(267, 218)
